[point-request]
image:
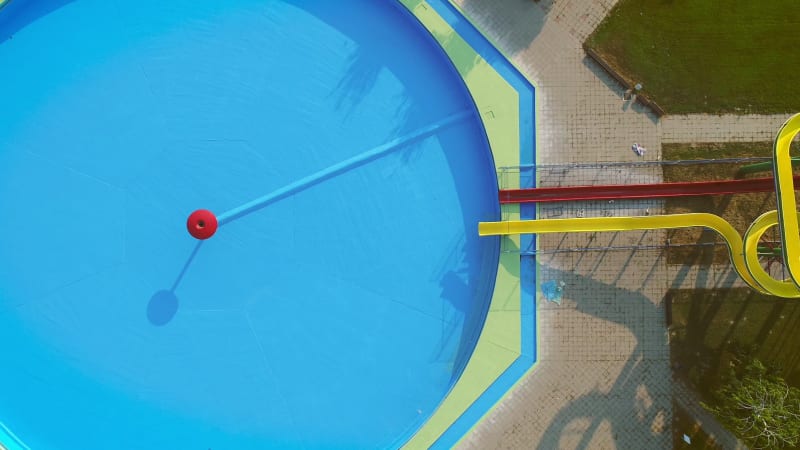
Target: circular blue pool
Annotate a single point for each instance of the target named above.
(343, 293)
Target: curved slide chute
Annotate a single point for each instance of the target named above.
(743, 251)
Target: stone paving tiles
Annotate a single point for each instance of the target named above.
(722, 128)
(603, 379)
(603, 376)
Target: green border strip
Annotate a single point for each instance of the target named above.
(499, 344)
(537, 281)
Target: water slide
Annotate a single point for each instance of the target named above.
(634, 191)
(743, 251)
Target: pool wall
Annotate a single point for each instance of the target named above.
(487, 280)
(507, 348)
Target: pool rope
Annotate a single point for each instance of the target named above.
(343, 166)
(743, 249)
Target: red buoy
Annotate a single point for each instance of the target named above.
(202, 224)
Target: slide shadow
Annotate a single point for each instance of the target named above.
(522, 21)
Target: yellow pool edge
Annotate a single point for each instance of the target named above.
(499, 344)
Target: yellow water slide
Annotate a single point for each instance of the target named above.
(743, 251)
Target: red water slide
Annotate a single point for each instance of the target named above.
(638, 191)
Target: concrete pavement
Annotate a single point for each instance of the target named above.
(603, 378)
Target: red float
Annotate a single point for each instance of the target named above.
(202, 224)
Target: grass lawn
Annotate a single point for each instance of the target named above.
(739, 209)
(707, 325)
(706, 55)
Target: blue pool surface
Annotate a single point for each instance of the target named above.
(337, 315)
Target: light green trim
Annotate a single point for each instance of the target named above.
(510, 185)
(499, 344)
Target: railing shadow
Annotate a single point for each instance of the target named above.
(522, 21)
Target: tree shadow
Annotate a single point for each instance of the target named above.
(467, 276)
(721, 322)
(359, 78)
(522, 21)
(456, 291)
(629, 400)
(467, 285)
(509, 246)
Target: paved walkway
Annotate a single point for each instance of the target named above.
(725, 128)
(603, 379)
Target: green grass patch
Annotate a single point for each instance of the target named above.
(713, 327)
(710, 326)
(711, 56)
